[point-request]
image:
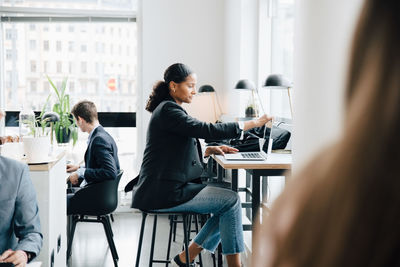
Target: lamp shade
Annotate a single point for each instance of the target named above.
(245, 85)
(277, 81)
(206, 88)
(51, 116)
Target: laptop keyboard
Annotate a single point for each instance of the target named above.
(251, 155)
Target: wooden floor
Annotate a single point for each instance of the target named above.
(90, 247)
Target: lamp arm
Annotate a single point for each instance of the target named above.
(290, 102)
(261, 105)
(216, 98)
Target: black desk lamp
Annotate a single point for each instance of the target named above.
(51, 117)
(206, 89)
(278, 81)
(245, 84)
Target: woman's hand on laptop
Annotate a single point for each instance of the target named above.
(219, 150)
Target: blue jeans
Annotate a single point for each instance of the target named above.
(225, 224)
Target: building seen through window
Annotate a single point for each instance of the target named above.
(96, 57)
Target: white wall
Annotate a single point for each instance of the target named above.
(324, 30)
(186, 31)
(216, 38)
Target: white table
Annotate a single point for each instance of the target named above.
(49, 182)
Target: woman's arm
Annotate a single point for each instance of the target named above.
(256, 122)
(175, 119)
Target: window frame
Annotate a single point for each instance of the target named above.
(31, 15)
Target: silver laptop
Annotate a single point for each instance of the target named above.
(253, 156)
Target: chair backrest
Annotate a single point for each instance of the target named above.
(96, 199)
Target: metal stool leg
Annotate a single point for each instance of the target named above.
(171, 226)
(196, 225)
(186, 239)
(175, 218)
(153, 239)
(144, 215)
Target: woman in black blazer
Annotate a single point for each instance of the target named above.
(172, 161)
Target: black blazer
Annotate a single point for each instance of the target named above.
(171, 161)
(101, 157)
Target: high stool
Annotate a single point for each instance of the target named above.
(173, 220)
(185, 222)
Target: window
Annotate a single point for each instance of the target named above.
(282, 40)
(83, 48)
(59, 67)
(9, 34)
(32, 44)
(33, 86)
(71, 46)
(33, 66)
(9, 54)
(8, 79)
(46, 86)
(282, 46)
(71, 87)
(46, 45)
(72, 30)
(83, 67)
(45, 63)
(58, 46)
(69, 67)
(277, 42)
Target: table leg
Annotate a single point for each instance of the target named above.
(248, 195)
(255, 203)
(235, 180)
(220, 174)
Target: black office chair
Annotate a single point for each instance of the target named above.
(99, 200)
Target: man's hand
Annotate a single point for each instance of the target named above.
(219, 150)
(19, 257)
(73, 178)
(72, 168)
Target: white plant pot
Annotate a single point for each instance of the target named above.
(36, 149)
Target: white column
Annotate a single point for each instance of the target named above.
(323, 36)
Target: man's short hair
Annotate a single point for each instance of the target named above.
(86, 110)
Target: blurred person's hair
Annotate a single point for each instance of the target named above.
(343, 207)
(86, 110)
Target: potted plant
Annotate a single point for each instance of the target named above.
(37, 143)
(66, 127)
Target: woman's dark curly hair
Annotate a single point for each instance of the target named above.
(178, 73)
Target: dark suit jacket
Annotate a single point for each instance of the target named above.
(171, 160)
(101, 157)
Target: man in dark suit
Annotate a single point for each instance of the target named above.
(101, 157)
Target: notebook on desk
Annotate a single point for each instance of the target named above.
(254, 156)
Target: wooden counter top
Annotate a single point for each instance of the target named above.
(49, 165)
